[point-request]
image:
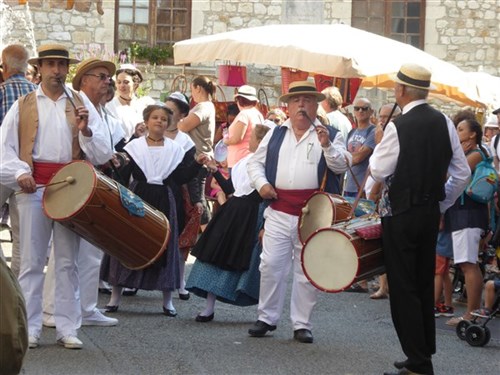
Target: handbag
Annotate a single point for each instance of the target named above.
(232, 75)
(220, 106)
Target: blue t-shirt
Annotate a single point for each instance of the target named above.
(357, 139)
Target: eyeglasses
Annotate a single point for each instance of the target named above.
(102, 76)
(363, 109)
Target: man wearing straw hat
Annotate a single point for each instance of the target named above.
(56, 129)
(418, 150)
(92, 79)
(289, 165)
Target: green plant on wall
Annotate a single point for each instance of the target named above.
(154, 55)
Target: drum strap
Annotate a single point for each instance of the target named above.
(291, 201)
(42, 172)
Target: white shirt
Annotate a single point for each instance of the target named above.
(129, 115)
(240, 178)
(340, 122)
(184, 140)
(53, 142)
(298, 160)
(385, 158)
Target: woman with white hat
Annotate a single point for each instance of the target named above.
(240, 130)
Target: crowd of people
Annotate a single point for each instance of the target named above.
(412, 160)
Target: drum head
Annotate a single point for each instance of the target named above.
(316, 214)
(62, 201)
(329, 260)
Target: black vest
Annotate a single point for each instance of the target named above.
(424, 156)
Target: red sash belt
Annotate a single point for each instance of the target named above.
(291, 201)
(43, 172)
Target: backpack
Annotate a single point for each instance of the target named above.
(484, 181)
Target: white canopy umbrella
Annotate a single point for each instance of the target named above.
(333, 50)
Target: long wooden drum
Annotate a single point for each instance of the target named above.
(334, 258)
(90, 205)
(322, 210)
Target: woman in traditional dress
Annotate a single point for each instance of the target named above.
(188, 218)
(126, 106)
(155, 163)
(228, 251)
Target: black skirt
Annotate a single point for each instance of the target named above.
(228, 240)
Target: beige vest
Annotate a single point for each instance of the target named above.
(28, 126)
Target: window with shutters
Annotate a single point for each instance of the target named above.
(401, 20)
(153, 23)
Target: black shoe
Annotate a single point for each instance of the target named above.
(169, 312)
(303, 335)
(400, 364)
(259, 329)
(130, 292)
(104, 291)
(111, 309)
(403, 371)
(204, 319)
(184, 296)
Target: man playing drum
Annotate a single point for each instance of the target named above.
(289, 165)
(56, 129)
(417, 151)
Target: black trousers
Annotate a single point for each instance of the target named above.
(409, 244)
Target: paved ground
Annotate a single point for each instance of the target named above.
(353, 335)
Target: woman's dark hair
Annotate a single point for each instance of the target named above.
(153, 107)
(181, 106)
(135, 74)
(475, 127)
(244, 102)
(204, 83)
(464, 114)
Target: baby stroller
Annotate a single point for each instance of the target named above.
(475, 331)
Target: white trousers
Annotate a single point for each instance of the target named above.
(281, 250)
(89, 264)
(7, 194)
(35, 231)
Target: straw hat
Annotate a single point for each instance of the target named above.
(415, 76)
(302, 88)
(90, 64)
(52, 51)
(247, 92)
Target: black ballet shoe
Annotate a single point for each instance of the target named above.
(111, 309)
(184, 296)
(169, 312)
(130, 292)
(204, 319)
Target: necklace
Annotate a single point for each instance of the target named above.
(155, 140)
(124, 99)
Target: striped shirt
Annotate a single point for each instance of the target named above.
(10, 90)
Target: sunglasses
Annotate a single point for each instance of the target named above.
(363, 109)
(102, 76)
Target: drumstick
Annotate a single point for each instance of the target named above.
(67, 94)
(69, 180)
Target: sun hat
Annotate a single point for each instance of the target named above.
(491, 122)
(178, 96)
(52, 51)
(496, 111)
(247, 92)
(129, 67)
(90, 64)
(302, 88)
(415, 76)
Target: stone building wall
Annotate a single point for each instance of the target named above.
(465, 33)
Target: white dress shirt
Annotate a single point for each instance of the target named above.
(298, 160)
(385, 158)
(240, 178)
(53, 142)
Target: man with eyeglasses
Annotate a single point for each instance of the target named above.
(56, 128)
(92, 80)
